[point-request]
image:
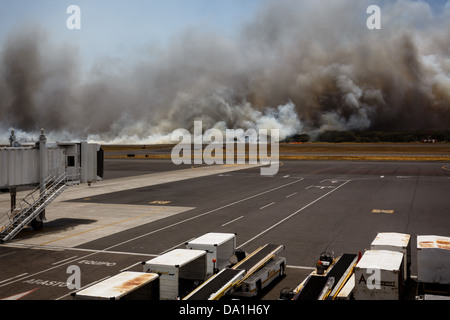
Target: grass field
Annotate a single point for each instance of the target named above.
(312, 151)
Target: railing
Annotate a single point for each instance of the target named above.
(29, 207)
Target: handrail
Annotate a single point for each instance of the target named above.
(29, 201)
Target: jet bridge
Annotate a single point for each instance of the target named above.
(49, 167)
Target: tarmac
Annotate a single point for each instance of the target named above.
(145, 207)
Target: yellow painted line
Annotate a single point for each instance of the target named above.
(382, 211)
(108, 225)
(232, 165)
(159, 202)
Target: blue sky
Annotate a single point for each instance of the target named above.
(122, 28)
(112, 25)
(126, 26)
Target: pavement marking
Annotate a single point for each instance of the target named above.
(203, 214)
(159, 202)
(93, 252)
(7, 254)
(333, 180)
(35, 247)
(20, 295)
(324, 187)
(382, 211)
(49, 269)
(101, 227)
(293, 214)
(61, 261)
(267, 205)
(292, 194)
(232, 221)
(86, 286)
(446, 167)
(20, 275)
(131, 266)
(300, 267)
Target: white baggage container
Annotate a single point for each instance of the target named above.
(379, 276)
(179, 270)
(395, 242)
(128, 285)
(433, 259)
(218, 246)
(346, 292)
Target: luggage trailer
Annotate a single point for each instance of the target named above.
(327, 286)
(246, 278)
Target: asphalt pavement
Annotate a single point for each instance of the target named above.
(147, 207)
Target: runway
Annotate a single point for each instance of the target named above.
(146, 207)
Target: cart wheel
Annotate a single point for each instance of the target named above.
(258, 287)
(37, 225)
(282, 270)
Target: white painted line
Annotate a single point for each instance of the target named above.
(293, 214)
(19, 295)
(232, 221)
(129, 267)
(267, 205)
(292, 194)
(309, 187)
(58, 262)
(333, 180)
(18, 276)
(324, 187)
(7, 254)
(299, 267)
(45, 247)
(203, 214)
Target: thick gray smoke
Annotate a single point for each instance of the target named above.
(300, 66)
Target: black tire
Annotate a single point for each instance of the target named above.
(37, 225)
(258, 288)
(282, 270)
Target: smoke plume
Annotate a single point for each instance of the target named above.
(299, 66)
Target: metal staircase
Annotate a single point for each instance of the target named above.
(13, 221)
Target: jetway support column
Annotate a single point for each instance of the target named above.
(43, 173)
(13, 193)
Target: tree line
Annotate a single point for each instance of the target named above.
(374, 136)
